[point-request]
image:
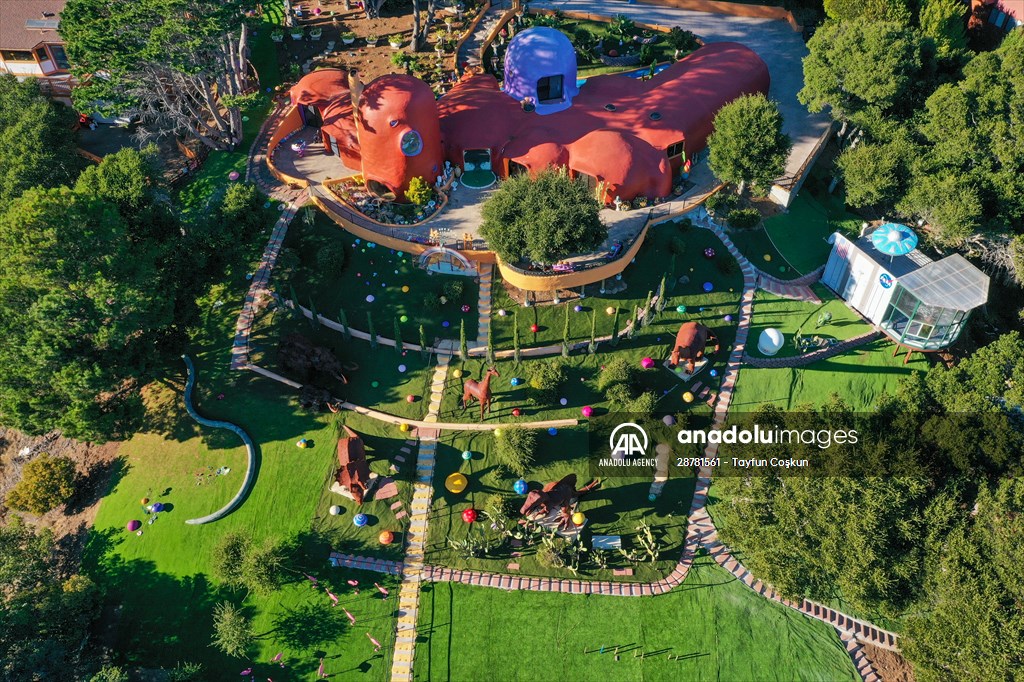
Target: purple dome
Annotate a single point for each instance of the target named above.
(540, 63)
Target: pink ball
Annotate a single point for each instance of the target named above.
(647, 363)
(410, 398)
(587, 411)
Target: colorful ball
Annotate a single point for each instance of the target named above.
(446, 324)
(456, 483)
(403, 318)
(133, 525)
(708, 286)
(497, 433)
(519, 487)
(370, 298)
(688, 397)
(709, 252)
(374, 384)
(469, 515)
(467, 455)
(457, 373)
(563, 401)
(680, 308)
(610, 310)
(578, 308)
(410, 398)
(587, 411)
(360, 520)
(713, 372)
(386, 537)
(647, 363)
(578, 518)
(534, 328)
(552, 431)
(668, 420)
(515, 381)
(145, 501)
(516, 412)
(403, 427)
(401, 369)
(405, 289)
(767, 258)
(502, 313)
(334, 510)
(727, 318)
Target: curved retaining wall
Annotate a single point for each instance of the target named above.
(250, 448)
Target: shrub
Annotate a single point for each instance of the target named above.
(643, 403)
(684, 225)
(232, 630)
(549, 557)
(431, 302)
(677, 245)
(619, 394)
(515, 448)
(721, 202)
(228, 556)
(110, 673)
(453, 289)
(726, 266)
(242, 209)
(46, 482)
(744, 218)
(546, 379)
(617, 370)
(331, 258)
(419, 191)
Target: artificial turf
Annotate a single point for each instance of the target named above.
(712, 627)
(801, 233)
(790, 317)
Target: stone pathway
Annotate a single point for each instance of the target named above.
(363, 563)
(484, 305)
(416, 537)
(469, 53)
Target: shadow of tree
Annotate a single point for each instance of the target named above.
(310, 625)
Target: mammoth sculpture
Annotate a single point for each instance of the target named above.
(692, 340)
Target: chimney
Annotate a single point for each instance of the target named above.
(355, 87)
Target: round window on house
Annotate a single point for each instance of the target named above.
(412, 143)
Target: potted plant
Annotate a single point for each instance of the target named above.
(439, 48)
(348, 37)
(527, 104)
(277, 35)
(395, 41)
(297, 33)
(371, 40)
(315, 33)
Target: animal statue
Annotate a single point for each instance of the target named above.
(691, 341)
(481, 390)
(558, 495)
(301, 358)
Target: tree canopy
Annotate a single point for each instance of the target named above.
(872, 10)
(748, 145)
(37, 145)
(543, 220)
(181, 64)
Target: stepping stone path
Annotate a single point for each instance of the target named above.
(416, 538)
(484, 303)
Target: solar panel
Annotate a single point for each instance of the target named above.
(43, 24)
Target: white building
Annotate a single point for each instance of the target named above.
(917, 302)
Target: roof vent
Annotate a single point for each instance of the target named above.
(609, 107)
(655, 115)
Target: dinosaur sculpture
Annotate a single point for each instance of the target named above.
(691, 341)
(481, 390)
(559, 495)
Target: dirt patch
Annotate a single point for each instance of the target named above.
(96, 465)
(889, 665)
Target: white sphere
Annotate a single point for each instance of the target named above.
(335, 510)
(370, 299)
(401, 368)
(771, 341)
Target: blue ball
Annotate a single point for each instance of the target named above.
(708, 286)
(552, 431)
(445, 323)
(519, 487)
(516, 381)
(360, 520)
(713, 372)
(467, 455)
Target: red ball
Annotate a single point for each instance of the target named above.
(469, 515)
(410, 398)
(516, 412)
(534, 328)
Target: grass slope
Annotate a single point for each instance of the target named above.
(791, 316)
(718, 626)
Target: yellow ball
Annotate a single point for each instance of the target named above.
(457, 373)
(456, 483)
(610, 310)
(767, 258)
(403, 427)
(688, 397)
(578, 518)
(405, 289)
(497, 433)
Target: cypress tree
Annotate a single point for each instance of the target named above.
(646, 314)
(463, 346)
(343, 319)
(371, 331)
(423, 343)
(592, 347)
(660, 305)
(516, 350)
(565, 333)
(398, 338)
(615, 328)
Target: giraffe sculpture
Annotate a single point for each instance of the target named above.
(481, 390)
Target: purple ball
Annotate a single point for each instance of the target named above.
(578, 308)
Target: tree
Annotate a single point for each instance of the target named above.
(544, 219)
(945, 22)
(97, 290)
(46, 482)
(515, 448)
(872, 10)
(463, 346)
(232, 630)
(748, 145)
(419, 192)
(565, 332)
(399, 347)
(878, 174)
(866, 71)
(182, 64)
(37, 145)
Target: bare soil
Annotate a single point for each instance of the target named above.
(96, 464)
(889, 665)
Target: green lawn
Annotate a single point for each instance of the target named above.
(801, 233)
(372, 271)
(859, 377)
(644, 275)
(717, 627)
(755, 244)
(614, 509)
(790, 317)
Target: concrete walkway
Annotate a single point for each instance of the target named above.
(483, 305)
(781, 48)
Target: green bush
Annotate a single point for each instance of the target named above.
(744, 218)
(331, 258)
(515, 448)
(549, 557)
(721, 202)
(726, 266)
(546, 379)
(620, 395)
(684, 225)
(643, 403)
(419, 192)
(110, 673)
(431, 303)
(617, 370)
(46, 482)
(453, 289)
(677, 245)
